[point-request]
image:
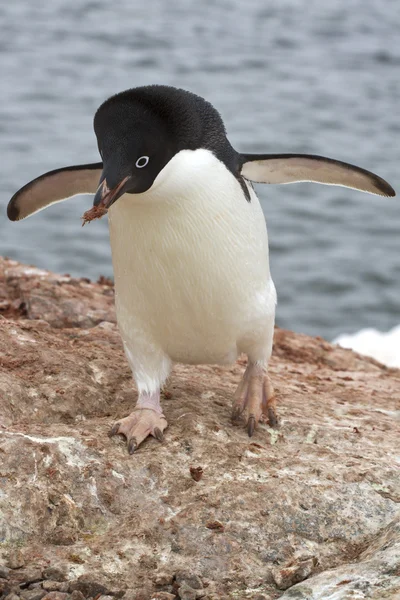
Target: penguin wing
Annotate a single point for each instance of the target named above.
(54, 186)
(289, 168)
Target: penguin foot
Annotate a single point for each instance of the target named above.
(137, 426)
(255, 399)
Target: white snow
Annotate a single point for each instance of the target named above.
(383, 346)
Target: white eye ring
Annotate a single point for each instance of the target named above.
(142, 162)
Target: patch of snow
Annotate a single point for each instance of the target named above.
(383, 346)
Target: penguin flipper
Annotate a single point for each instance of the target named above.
(290, 168)
(54, 186)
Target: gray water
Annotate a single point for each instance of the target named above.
(286, 75)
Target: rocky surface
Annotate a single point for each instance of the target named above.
(308, 511)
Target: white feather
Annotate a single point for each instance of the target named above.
(191, 270)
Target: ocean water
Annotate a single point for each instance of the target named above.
(286, 75)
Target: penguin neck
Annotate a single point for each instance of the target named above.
(193, 180)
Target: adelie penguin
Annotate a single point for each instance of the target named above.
(189, 241)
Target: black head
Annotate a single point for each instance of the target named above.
(139, 131)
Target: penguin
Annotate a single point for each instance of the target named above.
(189, 242)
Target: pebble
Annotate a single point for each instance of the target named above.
(190, 579)
(15, 559)
(77, 595)
(285, 577)
(163, 578)
(30, 575)
(4, 572)
(163, 596)
(55, 596)
(55, 573)
(35, 594)
(55, 586)
(88, 587)
(187, 593)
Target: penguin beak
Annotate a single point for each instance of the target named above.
(105, 196)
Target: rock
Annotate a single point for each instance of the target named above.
(62, 301)
(55, 596)
(186, 592)
(28, 575)
(88, 587)
(163, 578)
(374, 575)
(4, 588)
(15, 559)
(189, 578)
(35, 594)
(12, 596)
(162, 596)
(55, 586)
(77, 595)
(4, 572)
(285, 577)
(325, 484)
(55, 573)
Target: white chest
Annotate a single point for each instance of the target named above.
(191, 261)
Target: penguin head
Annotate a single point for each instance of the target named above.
(138, 132)
(135, 144)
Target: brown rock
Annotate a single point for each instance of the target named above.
(4, 572)
(55, 596)
(285, 577)
(35, 594)
(77, 595)
(196, 473)
(89, 587)
(186, 592)
(15, 559)
(29, 574)
(55, 586)
(55, 573)
(163, 578)
(62, 301)
(191, 579)
(311, 488)
(162, 596)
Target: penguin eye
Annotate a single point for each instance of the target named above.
(142, 162)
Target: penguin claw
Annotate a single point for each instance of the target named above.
(114, 430)
(132, 445)
(255, 399)
(251, 425)
(158, 434)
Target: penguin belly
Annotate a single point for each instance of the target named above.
(191, 266)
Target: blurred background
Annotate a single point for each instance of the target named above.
(286, 75)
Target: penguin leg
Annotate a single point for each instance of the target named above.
(255, 399)
(150, 368)
(146, 419)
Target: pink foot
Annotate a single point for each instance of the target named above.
(146, 419)
(254, 398)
